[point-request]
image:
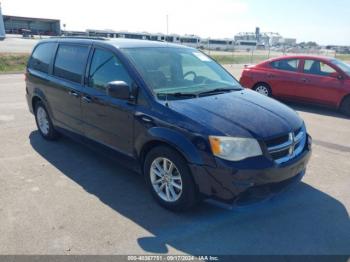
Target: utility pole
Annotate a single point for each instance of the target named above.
(167, 28)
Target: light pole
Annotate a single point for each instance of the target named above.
(209, 45)
(167, 28)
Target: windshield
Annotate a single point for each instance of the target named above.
(343, 66)
(181, 72)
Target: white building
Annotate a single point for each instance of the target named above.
(288, 41)
(266, 39)
(273, 38)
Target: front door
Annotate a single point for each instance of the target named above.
(319, 83)
(107, 120)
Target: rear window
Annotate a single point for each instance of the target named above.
(42, 56)
(70, 62)
(286, 64)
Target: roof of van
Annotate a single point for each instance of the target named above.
(116, 42)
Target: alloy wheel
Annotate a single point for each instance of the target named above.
(166, 179)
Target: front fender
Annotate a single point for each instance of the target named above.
(174, 139)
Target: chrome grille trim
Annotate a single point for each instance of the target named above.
(281, 147)
(295, 145)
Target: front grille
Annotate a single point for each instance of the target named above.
(276, 141)
(287, 147)
(280, 154)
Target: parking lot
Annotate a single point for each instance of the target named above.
(63, 198)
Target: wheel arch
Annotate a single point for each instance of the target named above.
(158, 136)
(38, 95)
(345, 97)
(35, 100)
(153, 144)
(158, 143)
(262, 83)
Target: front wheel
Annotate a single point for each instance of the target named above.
(169, 179)
(263, 89)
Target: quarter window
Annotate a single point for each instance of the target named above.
(286, 64)
(42, 56)
(70, 62)
(105, 68)
(316, 67)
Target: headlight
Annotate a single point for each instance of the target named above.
(234, 148)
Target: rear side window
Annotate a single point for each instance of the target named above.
(42, 56)
(286, 64)
(105, 68)
(70, 62)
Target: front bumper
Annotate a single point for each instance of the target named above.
(230, 184)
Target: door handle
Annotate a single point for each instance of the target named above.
(270, 75)
(87, 99)
(146, 119)
(143, 118)
(304, 80)
(73, 93)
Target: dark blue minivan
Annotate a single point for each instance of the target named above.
(173, 113)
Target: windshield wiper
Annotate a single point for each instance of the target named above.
(218, 91)
(177, 95)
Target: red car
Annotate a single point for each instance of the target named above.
(311, 79)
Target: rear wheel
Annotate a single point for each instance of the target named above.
(345, 106)
(169, 179)
(263, 89)
(44, 123)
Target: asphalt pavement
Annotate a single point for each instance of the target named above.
(63, 198)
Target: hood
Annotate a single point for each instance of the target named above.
(240, 113)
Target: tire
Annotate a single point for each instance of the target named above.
(180, 198)
(345, 107)
(263, 89)
(44, 123)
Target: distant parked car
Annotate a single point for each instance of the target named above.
(312, 79)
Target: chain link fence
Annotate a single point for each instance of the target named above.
(254, 56)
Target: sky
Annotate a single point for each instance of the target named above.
(322, 21)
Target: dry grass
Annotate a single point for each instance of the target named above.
(16, 62)
(13, 62)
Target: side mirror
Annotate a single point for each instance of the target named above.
(118, 89)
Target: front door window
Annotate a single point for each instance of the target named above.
(316, 67)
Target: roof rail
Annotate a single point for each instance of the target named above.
(81, 37)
